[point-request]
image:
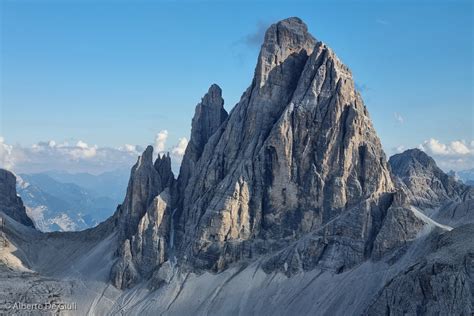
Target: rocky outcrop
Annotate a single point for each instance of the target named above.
(10, 203)
(440, 284)
(143, 220)
(425, 184)
(147, 180)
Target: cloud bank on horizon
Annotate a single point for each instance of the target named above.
(82, 157)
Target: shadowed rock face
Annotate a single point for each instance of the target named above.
(10, 203)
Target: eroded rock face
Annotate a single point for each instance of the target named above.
(297, 151)
(10, 203)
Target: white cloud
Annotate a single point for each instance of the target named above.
(81, 152)
(399, 118)
(160, 141)
(81, 157)
(6, 154)
(460, 148)
(82, 144)
(434, 147)
(180, 148)
(399, 149)
(129, 148)
(455, 155)
(454, 148)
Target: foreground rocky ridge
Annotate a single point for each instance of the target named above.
(281, 206)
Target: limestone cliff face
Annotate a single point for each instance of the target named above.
(10, 203)
(297, 151)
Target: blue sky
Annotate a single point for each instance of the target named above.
(117, 72)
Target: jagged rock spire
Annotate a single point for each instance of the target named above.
(163, 167)
(144, 219)
(208, 117)
(286, 40)
(147, 180)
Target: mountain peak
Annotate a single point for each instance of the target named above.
(284, 39)
(417, 155)
(296, 152)
(147, 156)
(208, 117)
(213, 97)
(424, 182)
(291, 31)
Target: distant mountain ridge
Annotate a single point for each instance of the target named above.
(59, 201)
(112, 184)
(466, 176)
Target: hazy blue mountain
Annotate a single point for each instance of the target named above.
(69, 202)
(112, 184)
(467, 176)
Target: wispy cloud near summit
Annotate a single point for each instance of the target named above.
(255, 39)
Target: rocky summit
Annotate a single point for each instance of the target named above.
(286, 205)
